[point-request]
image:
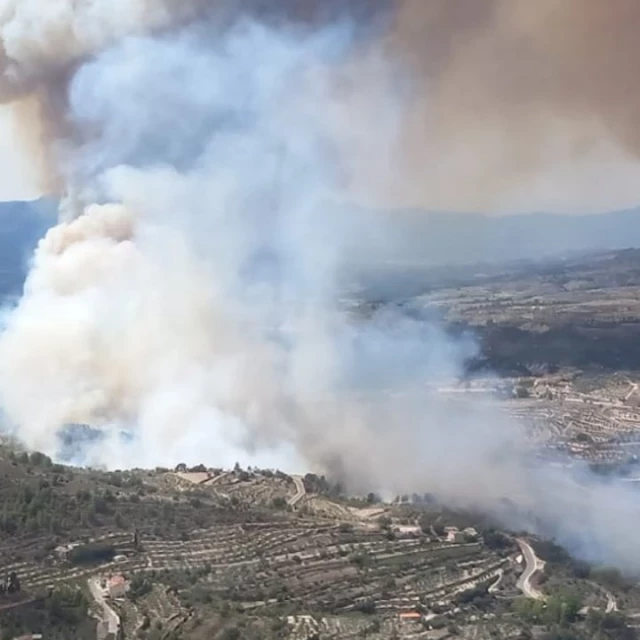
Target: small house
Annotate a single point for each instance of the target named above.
(410, 616)
(455, 536)
(117, 587)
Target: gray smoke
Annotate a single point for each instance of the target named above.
(196, 305)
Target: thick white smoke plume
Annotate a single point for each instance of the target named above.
(194, 312)
(42, 43)
(41, 37)
(200, 315)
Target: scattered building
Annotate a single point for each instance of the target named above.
(454, 535)
(407, 529)
(117, 587)
(410, 616)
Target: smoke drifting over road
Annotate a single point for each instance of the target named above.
(194, 304)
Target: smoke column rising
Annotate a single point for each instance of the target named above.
(195, 305)
(208, 295)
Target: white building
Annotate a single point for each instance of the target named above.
(453, 535)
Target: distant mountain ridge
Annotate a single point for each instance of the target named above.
(427, 238)
(387, 242)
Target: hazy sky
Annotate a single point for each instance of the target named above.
(494, 106)
(607, 179)
(16, 180)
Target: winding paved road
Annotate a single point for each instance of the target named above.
(110, 619)
(494, 587)
(612, 603)
(301, 492)
(533, 565)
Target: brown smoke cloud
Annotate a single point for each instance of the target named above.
(502, 99)
(39, 118)
(504, 89)
(42, 44)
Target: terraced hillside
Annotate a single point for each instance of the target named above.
(591, 417)
(203, 553)
(307, 569)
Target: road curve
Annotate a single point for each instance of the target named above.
(110, 619)
(533, 566)
(301, 492)
(494, 587)
(612, 603)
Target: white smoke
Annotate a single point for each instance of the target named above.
(40, 38)
(199, 310)
(199, 314)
